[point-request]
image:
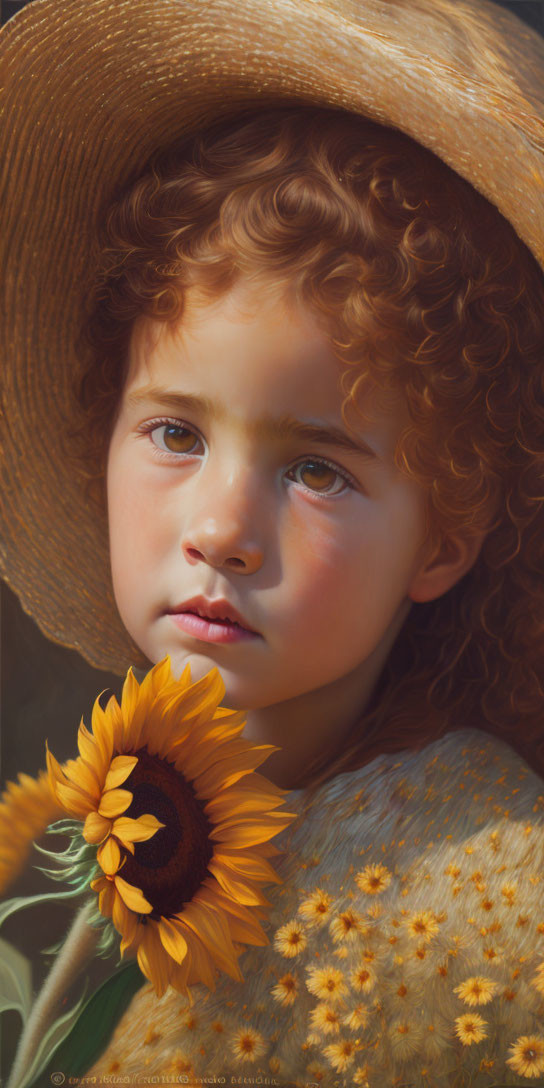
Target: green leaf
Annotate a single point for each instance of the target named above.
(50, 1042)
(15, 980)
(94, 1026)
(11, 906)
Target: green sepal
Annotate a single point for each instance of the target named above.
(11, 906)
(49, 1043)
(15, 980)
(94, 1026)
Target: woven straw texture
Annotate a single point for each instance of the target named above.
(91, 88)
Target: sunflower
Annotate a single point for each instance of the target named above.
(527, 1056)
(26, 808)
(168, 793)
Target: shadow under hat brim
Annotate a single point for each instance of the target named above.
(91, 90)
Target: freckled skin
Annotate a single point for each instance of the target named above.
(323, 573)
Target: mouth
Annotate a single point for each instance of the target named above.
(212, 620)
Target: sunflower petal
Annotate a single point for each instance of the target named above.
(114, 802)
(133, 897)
(129, 831)
(239, 758)
(125, 921)
(153, 961)
(102, 730)
(120, 768)
(96, 827)
(108, 856)
(90, 752)
(129, 702)
(172, 939)
(247, 865)
(70, 795)
(250, 832)
(236, 886)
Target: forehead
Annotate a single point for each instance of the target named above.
(255, 355)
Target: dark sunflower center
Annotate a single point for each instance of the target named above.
(170, 867)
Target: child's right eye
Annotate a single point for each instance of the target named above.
(172, 437)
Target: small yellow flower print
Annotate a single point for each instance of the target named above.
(357, 1018)
(470, 1028)
(508, 892)
(285, 991)
(248, 1044)
(290, 939)
(327, 983)
(363, 979)
(527, 1056)
(325, 1019)
(340, 1055)
(374, 879)
(316, 909)
(423, 925)
(347, 926)
(477, 990)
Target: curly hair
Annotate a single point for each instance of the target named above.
(421, 285)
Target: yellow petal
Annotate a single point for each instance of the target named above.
(114, 802)
(73, 799)
(133, 897)
(174, 943)
(102, 730)
(91, 753)
(247, 865)
(120, 768)
(140, 830)
(250, 832)
(125, 922)
(239, 759)
(129, 703)
(237, 887)
(108, 856)
(96, 828)
(82, 776)
(153, 961)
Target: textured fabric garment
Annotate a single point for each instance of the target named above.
(405, 941)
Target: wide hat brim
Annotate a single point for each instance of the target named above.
(92, 88)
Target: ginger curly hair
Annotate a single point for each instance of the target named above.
(415, 275)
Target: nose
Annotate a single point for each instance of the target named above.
(225, 527)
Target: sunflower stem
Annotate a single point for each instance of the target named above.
(77, 950)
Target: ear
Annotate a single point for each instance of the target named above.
(445, 566)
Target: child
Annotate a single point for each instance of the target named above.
(312, 394)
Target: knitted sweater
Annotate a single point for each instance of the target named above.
(405, 940)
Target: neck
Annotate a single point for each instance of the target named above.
(316, 724)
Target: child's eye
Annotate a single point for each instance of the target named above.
(320, 476)
(172, 437)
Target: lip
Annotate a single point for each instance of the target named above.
(197, 617)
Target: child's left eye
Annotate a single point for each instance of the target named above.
(320, 476)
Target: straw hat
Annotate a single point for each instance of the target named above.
(92, 88)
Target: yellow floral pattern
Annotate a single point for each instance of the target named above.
(406, 944)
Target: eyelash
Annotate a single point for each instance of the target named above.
(147, 429)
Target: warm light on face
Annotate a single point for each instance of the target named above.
(233, 475)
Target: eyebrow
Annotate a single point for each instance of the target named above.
(281, 427)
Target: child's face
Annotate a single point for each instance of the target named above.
(214, 491)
